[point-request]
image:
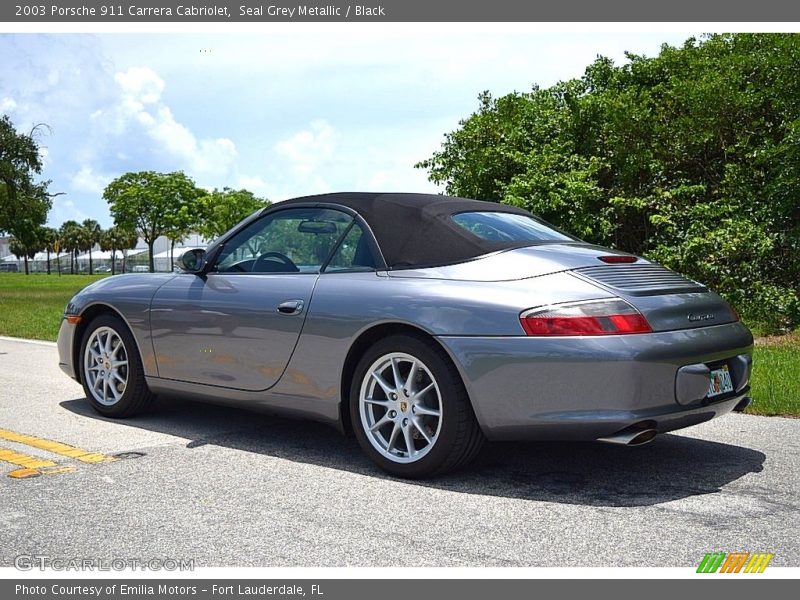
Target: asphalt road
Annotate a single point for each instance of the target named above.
(228, 487)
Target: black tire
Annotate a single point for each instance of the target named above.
(459, 438)
(136, 396)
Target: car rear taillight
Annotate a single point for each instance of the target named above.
(592, 317)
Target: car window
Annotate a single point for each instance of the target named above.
(295, 240)
(507, 227)
(353, 254)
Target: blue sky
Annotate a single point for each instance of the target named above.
(282, 114)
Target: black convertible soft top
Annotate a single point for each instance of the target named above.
(417, 230)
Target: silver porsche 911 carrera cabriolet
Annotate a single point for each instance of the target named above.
(423, 324)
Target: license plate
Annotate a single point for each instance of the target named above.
(721, 382)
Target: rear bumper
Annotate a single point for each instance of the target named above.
(584, 388)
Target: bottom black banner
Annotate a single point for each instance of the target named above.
(386, 589)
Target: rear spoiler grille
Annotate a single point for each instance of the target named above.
(641, 279)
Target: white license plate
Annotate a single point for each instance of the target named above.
(721, 382)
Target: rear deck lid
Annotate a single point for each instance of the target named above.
(640, 279)
(668, 300)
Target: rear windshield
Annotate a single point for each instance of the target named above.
(507, 227)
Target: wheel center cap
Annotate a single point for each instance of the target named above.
(403, 406)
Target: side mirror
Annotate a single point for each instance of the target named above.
(193, 261)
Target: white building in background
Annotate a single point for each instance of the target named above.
(4, 241)
(137, 258)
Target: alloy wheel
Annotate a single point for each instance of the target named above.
(105, 366)
(401, 407)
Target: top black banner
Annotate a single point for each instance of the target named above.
(151, 11)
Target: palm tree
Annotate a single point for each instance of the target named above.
(26, 250)
(83, 244)
(68, 236)
(114, 239)
(108, 243)
(48, 237)
(18, 249)
(90, 235)
(127, 241)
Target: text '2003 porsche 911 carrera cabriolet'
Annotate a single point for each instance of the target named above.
(423, 324)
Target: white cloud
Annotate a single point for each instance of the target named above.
(140, 84)
(64, 210)
(306, 150)
(301, 160)
(140, 106)
(7, 104)
(255, 184)
(86, 180)
(387, 172)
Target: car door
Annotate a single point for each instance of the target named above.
(238, 325)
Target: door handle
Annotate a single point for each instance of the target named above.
(290, 307)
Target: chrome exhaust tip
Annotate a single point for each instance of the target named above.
(631, 436)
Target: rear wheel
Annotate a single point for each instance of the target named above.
(410, 410)
(111, 369)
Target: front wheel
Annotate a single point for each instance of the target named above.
(410, 410)
(111, 369)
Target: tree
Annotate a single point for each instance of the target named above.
(180, 224)
(128, 241)
(144, 201)
(691, 158)
(24, 204)
(48, 238)
(220, 210)
(25, 247)
(90, 234)
(69, 240)
(115, 239)
(19, 249)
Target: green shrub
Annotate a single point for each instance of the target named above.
(690, 158)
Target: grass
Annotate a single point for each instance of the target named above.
(31, 307)
(776, 376)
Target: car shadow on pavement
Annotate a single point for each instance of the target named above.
(594, 474)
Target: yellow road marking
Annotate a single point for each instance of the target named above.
(55, 447)
(23, 460)
(25, 473)
(31, 465)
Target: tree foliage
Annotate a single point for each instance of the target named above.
(89, 235)
(691, 158)
(26, 246)
(48, 239)
(69, 240)
(220, 210)
(24, 203)
(153, 204)
(116, 239)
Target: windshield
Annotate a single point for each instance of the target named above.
(507, 227)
